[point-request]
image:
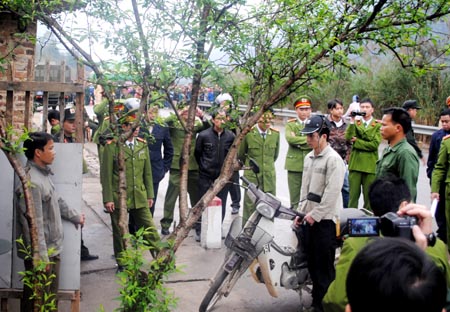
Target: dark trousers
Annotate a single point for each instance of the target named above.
(320, 247)
(26, 303)
(235, 191)
(155, 191)
(204, 183)
(440, 214)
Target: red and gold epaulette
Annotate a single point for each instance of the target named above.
(292, 120)
(446, 137)
(359, 122)
(273, 129)
(141, 140)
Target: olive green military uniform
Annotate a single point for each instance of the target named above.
(298, 148)
(441, 173)
(363, 159)
(139, 188)
(177, 135)
(402, 161)
(265, 152)
(335, 299)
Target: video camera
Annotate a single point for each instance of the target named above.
(353, 114)
(390, 224)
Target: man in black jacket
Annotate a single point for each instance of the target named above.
(211, 149)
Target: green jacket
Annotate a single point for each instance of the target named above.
(265, 153)
(298, 148)
(441, 172)
(177, 135)
(364, 154)
(402, 161)
(335, 299)
(138, 174)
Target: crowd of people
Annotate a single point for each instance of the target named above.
(334, 156)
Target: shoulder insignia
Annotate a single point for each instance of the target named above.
(106, 118)
(273, 129)
(292, 120)
(141, 140)
(358, 122)
(446, 137)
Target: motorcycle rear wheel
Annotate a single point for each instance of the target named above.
(214, 293)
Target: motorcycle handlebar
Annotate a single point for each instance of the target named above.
(246, 181)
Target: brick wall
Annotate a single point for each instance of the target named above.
(17, 62)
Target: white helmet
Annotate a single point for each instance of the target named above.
(223, 97)
(132, 104)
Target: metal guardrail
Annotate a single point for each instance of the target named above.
(287, 113)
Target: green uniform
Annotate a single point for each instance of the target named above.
(363, 159)
(298, 148)
(139, 188)
(402, 161)
(265, 152)
(335, 299)
(441, 173)
(177, 135)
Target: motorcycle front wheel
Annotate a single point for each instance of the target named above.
(214, 293)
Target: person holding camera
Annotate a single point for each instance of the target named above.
(397, 276)
(387, 194)
(364, 133)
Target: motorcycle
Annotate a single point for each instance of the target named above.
(252, 246)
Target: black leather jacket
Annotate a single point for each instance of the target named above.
(211, 150)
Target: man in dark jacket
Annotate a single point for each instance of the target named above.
(211, 149)
(157, 136)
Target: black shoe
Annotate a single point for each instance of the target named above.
(88, 257)
(165, 232)
(235, 210)
(197, 236)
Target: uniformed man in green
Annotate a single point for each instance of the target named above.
(177, 135)
(298, 148)
(262, 144)
(364, 133)
(139, 185)
(441, 173)
(399, 158)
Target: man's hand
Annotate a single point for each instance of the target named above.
(150, 202)
(434, 196)
(309, 219)
(82, 220)
(425, 225)
(353, 139)
(109, 206)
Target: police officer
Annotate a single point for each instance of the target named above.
(364, 133)
(262, 144)
(177, 135)
(298, 148)
(139, 185)
(158, 140)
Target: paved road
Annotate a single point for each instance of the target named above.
(198, 265)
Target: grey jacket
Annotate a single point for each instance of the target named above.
(50, 208)
(323, 175)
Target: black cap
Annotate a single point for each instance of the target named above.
(313, 124)
(69, 113)
(410, 104)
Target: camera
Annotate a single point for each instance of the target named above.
(353, 114)
(390, 224)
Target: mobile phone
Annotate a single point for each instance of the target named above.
(362, 227)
